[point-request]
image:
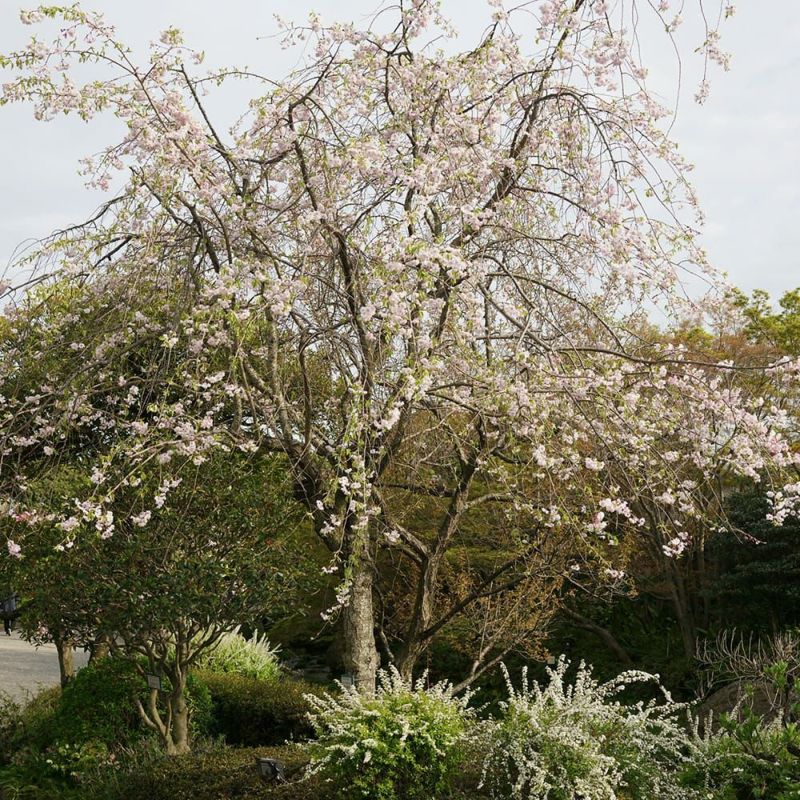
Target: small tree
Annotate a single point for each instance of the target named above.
(164, 590)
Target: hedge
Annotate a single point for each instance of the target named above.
(219, 773)
(253, 713)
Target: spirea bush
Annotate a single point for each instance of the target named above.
(234, 654)
(746, 758)
(578, 739)
(401, 744)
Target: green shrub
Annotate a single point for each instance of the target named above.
(233, 654)
(28, 725)
(98, 705)
(579, 740)
(755, 753)
(34, 780)
(10, 714)
(31, 767)
(252, 713)
(403, 743)
(209, 774)
(747, 758)
(72, 761)
(201, 707)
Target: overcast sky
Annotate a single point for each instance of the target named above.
(745, 142)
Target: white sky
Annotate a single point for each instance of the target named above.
(745, 142)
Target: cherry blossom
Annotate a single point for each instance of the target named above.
(415, 274)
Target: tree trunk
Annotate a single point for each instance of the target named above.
(361, 654)
(66, 661)
(684, 617)
(172, 728)
(99, 650)
(407, 661)
(178, 738)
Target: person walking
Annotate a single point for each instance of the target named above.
(9, 607)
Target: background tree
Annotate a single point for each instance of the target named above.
(779, 328)
(735, 572)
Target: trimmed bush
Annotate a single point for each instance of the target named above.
(578, 739)
(212, 775)
(98, 704)
(402, 744)
(253, 713)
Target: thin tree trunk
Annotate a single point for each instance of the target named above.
(66, 661)
(99, 650)
(406, 663)
(422, 617)
(684, 616)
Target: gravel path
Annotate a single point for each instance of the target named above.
(24, 669)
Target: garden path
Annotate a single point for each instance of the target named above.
(25, 669)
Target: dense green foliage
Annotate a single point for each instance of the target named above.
(69, 731)
(213, 556)
(250, 712)
(780, 327)
(758, 583)
(98, 704)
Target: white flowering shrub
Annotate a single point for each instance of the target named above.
(579, 740)
(747, 757)
(401, 744)
(254, 657)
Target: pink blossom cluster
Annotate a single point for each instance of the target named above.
(384, 245)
